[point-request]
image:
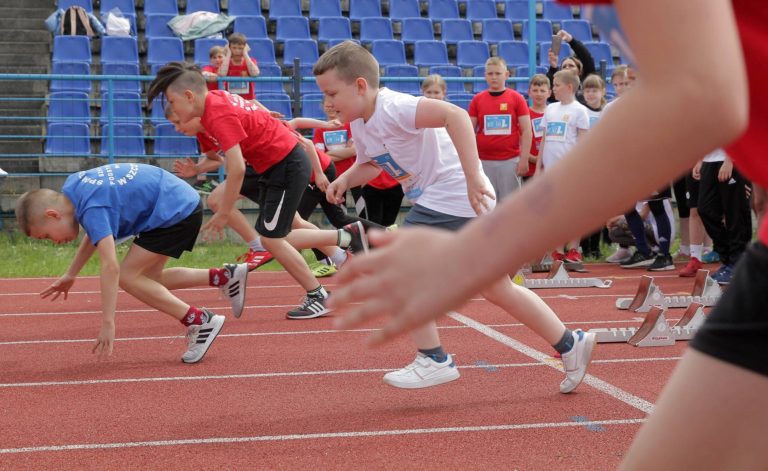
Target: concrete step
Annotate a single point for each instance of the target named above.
(40, 13)
(20, 59)
(15, 69)
(17, 165)
(14, 111)
(26, 146)
(24, 87)
(23, 22)
(46, 4)
(23, 129)
(25, 36)
(31, 48)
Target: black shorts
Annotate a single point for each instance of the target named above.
(692, 191)
(250, 186)
(174, 240)
(280, 191)
(737, 328)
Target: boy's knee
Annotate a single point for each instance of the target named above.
(126, 280)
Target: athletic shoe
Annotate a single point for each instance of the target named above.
(359, 241)
(200, 337)
(392, 227)
(622, 254)
(3, 173)
(662, 263)
(710, 257)
(637, 260)
(234, 289)
(255, 258)
(557, 256)
(311, 307)
(205, 186)
(321, 270)
(423, 373)
(689, 271)
(576, 361)
(573, 256)
(723, 274)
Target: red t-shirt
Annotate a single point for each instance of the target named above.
(231, 120)
(215, 71)
(537, 134)
(326, 139)
(498, 130)
(244, 89)
(383, 182)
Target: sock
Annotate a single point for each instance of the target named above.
(339, 257)
(218, 276)
(566, 342)
(318, 292)
(437, 354)
(256, 246)
(696, 251)
(343, 239)
(685, 249)
(195, 316)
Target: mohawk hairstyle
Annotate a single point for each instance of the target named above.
(175, 73)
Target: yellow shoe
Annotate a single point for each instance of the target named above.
(321, 270)
(393, 227)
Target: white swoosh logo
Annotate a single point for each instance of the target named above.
(271, 225)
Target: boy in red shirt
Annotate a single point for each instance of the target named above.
(237, 64)
(539, 90)
(211, 71)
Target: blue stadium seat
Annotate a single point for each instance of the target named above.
(280, 8)
(157, 27)
(170, 142)
(555, 11)
(263, 50)
(71, 68)
(416, 29)
(279, 102)
(203, 5)
(456, 30)
(310, 86)
(292, 27)
(449, 71)
(161, 7)
(461, 99)
(119, 49)
(497, 30)
(334, 42)
(600, 51)
(312, 106)
(160, 51)
(203, 48)
(478, 10)
(72, 49)
(126, 107)
(471, 53)
(68, 138)
(428, 53)
(579, 29)
(303, 49)
(359, 9)
(440, 10)
(244, 8)
(544, 46)
(513, 52)
(405, 70)
(372, 29)
(543, 30)
(324, 9)
(516, 10)
(86, 4)
(251, 26)
(128, 139)
(157, 113)
(389, 51)
(402, 9)
(69, 107)
(269, 70)
(121, 68)
(330, 28)
(126, 7)
(479, 71)
(522, 71)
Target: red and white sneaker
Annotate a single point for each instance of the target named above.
(689, 271)
(255, 258)
(573, 256)
(557, 255)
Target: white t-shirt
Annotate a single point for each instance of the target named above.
(424, 161)
(594, 117)
(561, 124)
(717, 155)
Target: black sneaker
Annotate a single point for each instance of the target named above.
(313, 306)
(637, 260)
(662, 263)
(359, 243)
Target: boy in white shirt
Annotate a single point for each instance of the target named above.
(429, 147)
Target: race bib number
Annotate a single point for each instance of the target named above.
(497, 124)
(335, 140)
(538, 131)
(556, 131)
(592, 121)
(410, 187)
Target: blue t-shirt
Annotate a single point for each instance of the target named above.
(127, 199)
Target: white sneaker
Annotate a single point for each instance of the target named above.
(577, 360)
(423, 373)
(621, 254)
(234, 289)
(3, 173)
(200, 337)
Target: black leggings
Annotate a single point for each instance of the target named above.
(663, 225)
(383, 206)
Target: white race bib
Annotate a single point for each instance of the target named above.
(497, 124)
(556, 131)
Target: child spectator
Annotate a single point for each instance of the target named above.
(237, 63)
(217, 55)
(593, 90)
(503, 129)
(539, 91)
(434, 86)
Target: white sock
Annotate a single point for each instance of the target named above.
(344, 238)
(696, 251)
(256, 246)
(685, 249)
(339, 257)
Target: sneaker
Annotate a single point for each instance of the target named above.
(3, 173)
(321, 270)
(205, 186)
(234, 289)
(557, 256)
(255, 258)
(637, 260)
(576, 361)
(423, 373)
(200, 337)
(723, 274)
(359, 241)
(573, 256)
(622, 254)
(710, 257)
(310, 308)
(662, 263)
(689, 271)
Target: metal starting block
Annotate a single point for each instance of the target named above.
(655, 331)
(558, 278)
(705, 291)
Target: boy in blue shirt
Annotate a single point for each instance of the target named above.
(116, 202)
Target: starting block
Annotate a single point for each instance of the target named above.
(558, 278)
(705, 291)
(545, 265)
(655, 331)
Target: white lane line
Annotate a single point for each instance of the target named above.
(317, 436)
(607, 388)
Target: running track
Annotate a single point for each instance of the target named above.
(278, 394)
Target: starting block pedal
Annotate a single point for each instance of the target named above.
(655, 331)
(558, 278)
(705, 291)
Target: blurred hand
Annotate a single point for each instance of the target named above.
(62, 285)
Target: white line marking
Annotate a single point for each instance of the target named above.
(316, 436)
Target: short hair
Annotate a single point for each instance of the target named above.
(351, 61)
(434, 79)
(30, 207)
(237, 38)
(539, 80)
(568, 78)
(215, 51)
(496, 60)
(619, 71)
(180, 76)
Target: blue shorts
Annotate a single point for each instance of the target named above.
(421, 216)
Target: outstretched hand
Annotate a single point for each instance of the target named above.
(62, 285)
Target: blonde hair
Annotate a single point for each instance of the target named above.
(434, 79)
(215, 51)
(538, 80)
(568, 78)
(31, 206)
(496, 60)
(619, 71)
(237, 38)
(350, 61)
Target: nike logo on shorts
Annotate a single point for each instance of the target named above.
(271, 225)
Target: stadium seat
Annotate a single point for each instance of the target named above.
(543, 30)
(479, 71)
(440, 10)
(291, 27)
(461, 99)
(359, 9)
(303, 49)
(565, 51)
(160, 51)
(449, 71)
(71, 68)
(522, 71)
(126, 7)
(555, 11)
(157, 27)
(126, 107)
(68, 138)
(69, 107)
(170, 142)
(243, 8)
(428, 53)
(251, 26)
(86, 4)
(455, 30)
(497, 30)
(263, 50)
(203, 48)
(280, 8)
(402, 9)
(416, 29)
(312, 106)
(269, 70)
(579, 29)
(123, 49)
(334, 42)
(203, 5)
(478, 10)
(405, 70)
(372, 29)
(600, 51)
(305, 71)
(389, 51)
(157, 113)
(329, 29)
(161, 7)
(121, 68)
(324, 9)
(128, 139)
(279, 102)
(516, 10)
(513, 52)
(471, 53)
(71, 49)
